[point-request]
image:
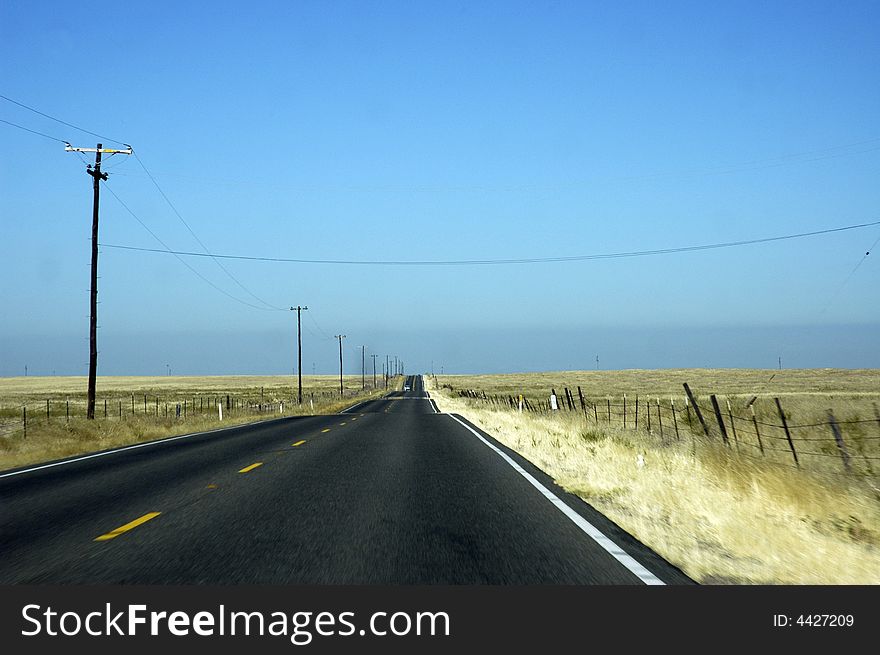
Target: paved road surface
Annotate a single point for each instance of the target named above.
(390, 492)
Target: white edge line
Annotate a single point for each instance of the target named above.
(588, 528)
(155, 442)
(348, 409)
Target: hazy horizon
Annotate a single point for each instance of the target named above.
(273, 352)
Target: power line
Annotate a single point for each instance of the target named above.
(27, 129)
(58, 120)
(196, 237)
(485, 262)
(180, 259)
(320, 329)
(850, 276)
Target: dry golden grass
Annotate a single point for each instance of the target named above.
(721, 517)
(254, 398)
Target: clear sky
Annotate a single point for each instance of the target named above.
(444, 130)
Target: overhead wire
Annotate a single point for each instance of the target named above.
(58, 120)
(27, 129)
(200, 242)
(525, 260)
(849, 277)
(180, 259)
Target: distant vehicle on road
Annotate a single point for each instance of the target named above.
(406, 387)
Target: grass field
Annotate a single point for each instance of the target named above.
(144, 408)
(724, 514)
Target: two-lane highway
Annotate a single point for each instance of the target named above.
(388, 492)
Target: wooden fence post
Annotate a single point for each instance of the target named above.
(693, 400)
(732, 424)
(24, 419)
(719, 418)
(674, 418)
(67, 409)
(608, 400)
(648, 413)
(659, 418)
(596, 412)
(47, 410)
(636, 424)
(624, 411)
(105, 408)
(757, 430)
(838, 437)
(583, 404)
(787, 433)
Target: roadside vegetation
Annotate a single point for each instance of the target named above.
(725, 514)
(146, 408)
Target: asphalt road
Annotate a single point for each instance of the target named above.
(389, 492)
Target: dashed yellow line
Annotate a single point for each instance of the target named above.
(122, 529)
(298, 443)
(247, 469)
(343, 423)
(326, 430)
(355, 418)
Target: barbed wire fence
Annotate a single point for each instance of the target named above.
(18, 418)
(760, 428)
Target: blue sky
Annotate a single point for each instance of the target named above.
(416, 130)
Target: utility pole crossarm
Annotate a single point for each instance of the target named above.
(106, 151)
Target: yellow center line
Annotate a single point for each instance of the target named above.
(327, 430)
(128, 526)
(355, 418)
(299, 443)
(343, 423)
(246, 469)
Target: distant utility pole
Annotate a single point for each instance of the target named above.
(597, 362)
(97, 175)
(374, 369)
(25, 370)
(363, 367)
(387, 369)
(299, 351)
(780, 362)
(341, 388)
(396, 369)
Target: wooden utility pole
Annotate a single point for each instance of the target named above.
(363, 367)
(341, 388)
(299, 351)
(374, 369)
(97, 176)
